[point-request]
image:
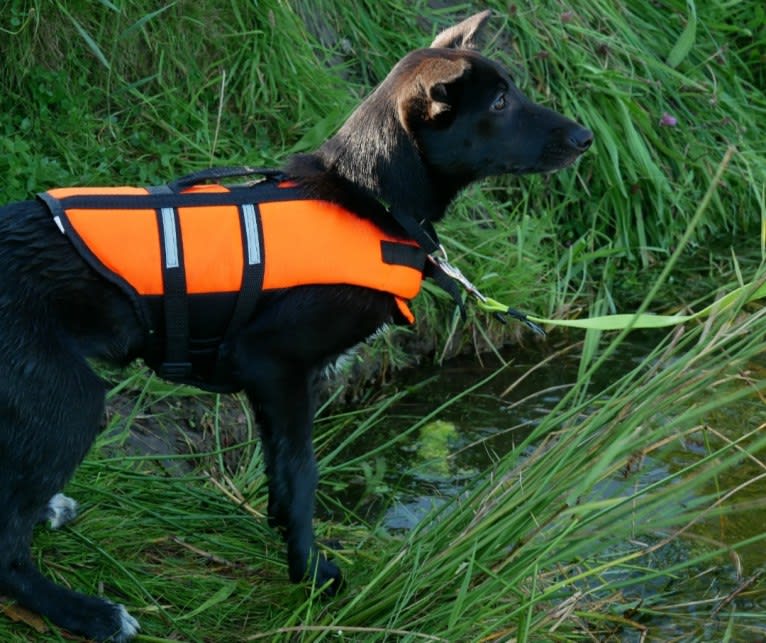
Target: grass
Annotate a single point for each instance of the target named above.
(545, 546)
(562, 539)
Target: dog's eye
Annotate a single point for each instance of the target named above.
(499, 104)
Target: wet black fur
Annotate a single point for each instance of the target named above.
(435, 124)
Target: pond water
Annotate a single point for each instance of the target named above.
(466, 437)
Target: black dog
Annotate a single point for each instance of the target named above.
(444, 117)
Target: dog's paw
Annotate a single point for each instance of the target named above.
(119, 627)
(315, 569)
(100, 620)
(61, 510)
(328, 577)
(128, 626)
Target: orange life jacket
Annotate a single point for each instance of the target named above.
(194, 261)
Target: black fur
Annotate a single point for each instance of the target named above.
(444, 117)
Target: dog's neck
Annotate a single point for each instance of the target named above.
(373, 163)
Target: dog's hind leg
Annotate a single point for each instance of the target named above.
(51, 405)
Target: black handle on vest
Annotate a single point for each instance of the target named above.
(217, 173)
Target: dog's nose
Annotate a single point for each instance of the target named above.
(580, 138)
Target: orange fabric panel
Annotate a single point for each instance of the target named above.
(404, 309)
(62, 193)
(342, 249)
(212, 246)
(205, 188)
(127, 243)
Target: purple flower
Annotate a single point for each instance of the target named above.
(667, 120)
(567, 16)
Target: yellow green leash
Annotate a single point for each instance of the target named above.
(743, 294)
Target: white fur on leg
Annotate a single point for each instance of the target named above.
(61, 510)
(129, 626)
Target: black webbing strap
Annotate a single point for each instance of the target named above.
(176, 363)
(218, 173)
(403, 254)
(421, 231)
(252, 271)
(252, 282)
(424, 233)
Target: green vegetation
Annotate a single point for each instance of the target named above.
(543, 547)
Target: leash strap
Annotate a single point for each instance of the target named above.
(746, 294)
(501, 311)
(448, 284)
(452, 276)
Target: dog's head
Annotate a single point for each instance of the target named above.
(468, 118)
(443, 117)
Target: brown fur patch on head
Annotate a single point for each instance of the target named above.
(427, 97)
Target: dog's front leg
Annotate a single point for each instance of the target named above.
(284, 403)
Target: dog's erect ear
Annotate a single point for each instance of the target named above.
(430, 97)
(464, 35)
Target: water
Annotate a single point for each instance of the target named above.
(466, 438)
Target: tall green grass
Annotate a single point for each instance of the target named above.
(563, 539)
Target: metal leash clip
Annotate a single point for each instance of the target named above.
(500, 311)
(448, 269)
